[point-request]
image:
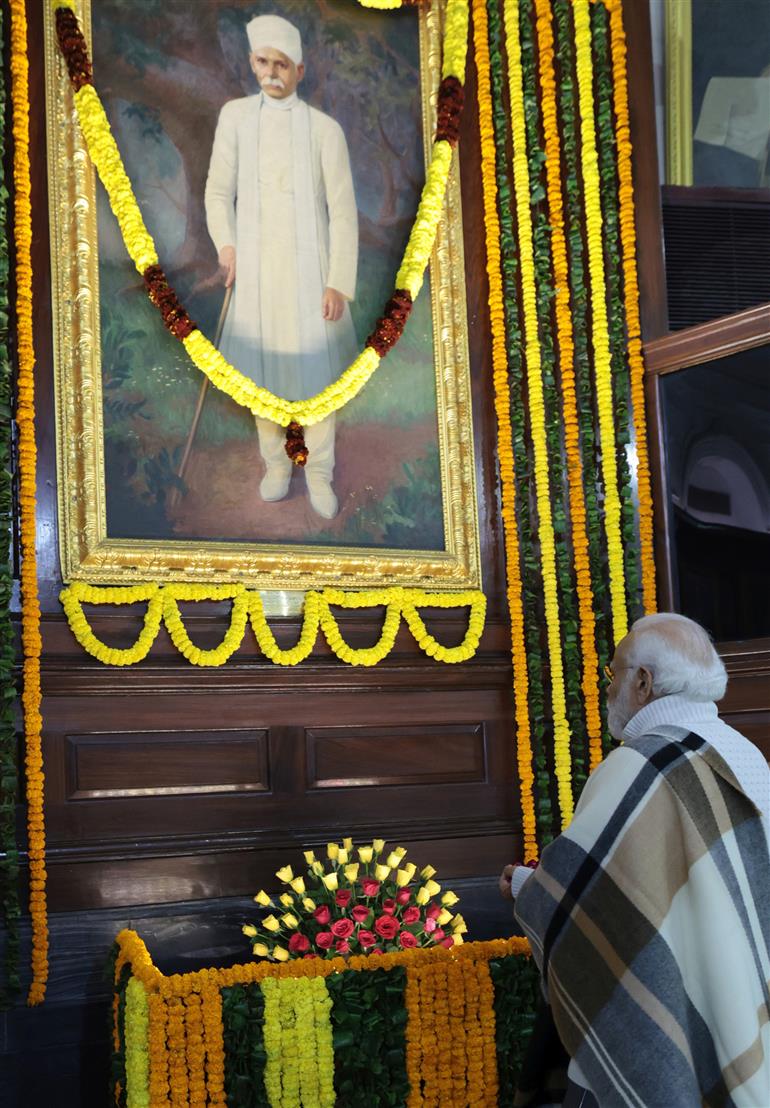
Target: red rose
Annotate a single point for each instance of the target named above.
(389, 906)
(448, 942)
(298, 944)
(430, 924)
(377, 950)
(309, 955)
(324, 940)
(366, 939)
(411, 915)
(343, 928)
(370, 886)
(403, 896)
(434, 911)
(322, 914)
(360, 913)
(407, 939)
(342, 899)
(438, 934)
(342, 946)
(386, 927)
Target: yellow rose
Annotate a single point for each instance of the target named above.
(286, 899)
(460, 925)
(422, 897)
(260, 950)
(309, 857)
(285, 874)
(317, 868)
(330, 880)
(449, 899)
(433, 887)
(249, 929)
(280, 954)
(351, 871)
(308, 904)
(342, 857)
(347, 843)
(394, 860)
(378, 846)
(427, 871)
(458, 939)
(402, 878)
(332, 850)
(445, 917)
(298, 884)
(365, 853)
(411, 869)
(271, 923)
(400, 851)
(382, 872)
(263, 899)
(290, 920)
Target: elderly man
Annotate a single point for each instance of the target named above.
(650, 915)
(281, 212)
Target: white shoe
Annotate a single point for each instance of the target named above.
(275, 484)
(322, 498)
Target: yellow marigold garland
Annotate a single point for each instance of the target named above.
(601, 341)
(137, 1055)
(487, 1031)
(566, 347)
(504, 433)
(158, 1049)
(25, 420)
(211, 1001)
(196, 1053)
(631, 298)
(536, 402)
(141, 248)
(271, 1037)
(162, 606)
(177, 1060)
(413, 1040)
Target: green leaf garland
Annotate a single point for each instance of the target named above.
(243, 1009)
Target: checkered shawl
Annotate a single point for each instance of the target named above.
(650, 921)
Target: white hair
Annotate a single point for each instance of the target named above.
(680, 656)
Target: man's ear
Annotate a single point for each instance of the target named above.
(643, 684)
(300, 71)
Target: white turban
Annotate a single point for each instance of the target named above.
(267, 31)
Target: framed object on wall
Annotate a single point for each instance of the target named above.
(139, 498)
(718, 93)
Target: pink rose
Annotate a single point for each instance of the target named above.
(342, 899)
(366, 939)
(377, 950)
(343, 928)
(389, 906)
(298, 943)
(430, 924)
(386, 927)
(448, 942)
(309, 955)
(324, 940)
(322, 915)
(434, 911)
(360, 913)
(407, 940)
(411, 915)
(403, 896)
(438, 934)
(370, 886)
(342, 946)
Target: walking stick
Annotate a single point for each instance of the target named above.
(175, 493)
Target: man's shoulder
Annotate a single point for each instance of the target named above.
(234, 110)
(323, 123)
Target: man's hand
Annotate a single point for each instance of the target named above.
(332, 304)
(227, 265)
(505, 883)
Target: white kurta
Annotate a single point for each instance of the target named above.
(280, 191)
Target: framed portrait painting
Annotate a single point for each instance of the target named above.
(277, 150)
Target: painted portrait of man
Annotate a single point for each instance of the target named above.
(281, 212)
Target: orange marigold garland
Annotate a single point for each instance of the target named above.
(631, 281)
(25, 419)
(504, 432)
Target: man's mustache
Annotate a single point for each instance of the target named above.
(273, 82)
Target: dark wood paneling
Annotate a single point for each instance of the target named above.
(429, 755)
(164, 763)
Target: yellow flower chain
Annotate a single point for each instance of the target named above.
(566, 347)
(158, 1049)
(631, 298)
(536, 401)
(25, 421)
(272, 1039)
(504, 434)
(162, 606)
(601, 339)
(213, 1032)
(141, 248)
(136, 1039)
(196, 1052)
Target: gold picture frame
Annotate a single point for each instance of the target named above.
(87, 550)
(679, 131)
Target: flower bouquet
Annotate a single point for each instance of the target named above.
(355, 903)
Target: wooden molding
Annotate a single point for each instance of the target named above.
(717, 339)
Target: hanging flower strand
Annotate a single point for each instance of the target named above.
(297, 414)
